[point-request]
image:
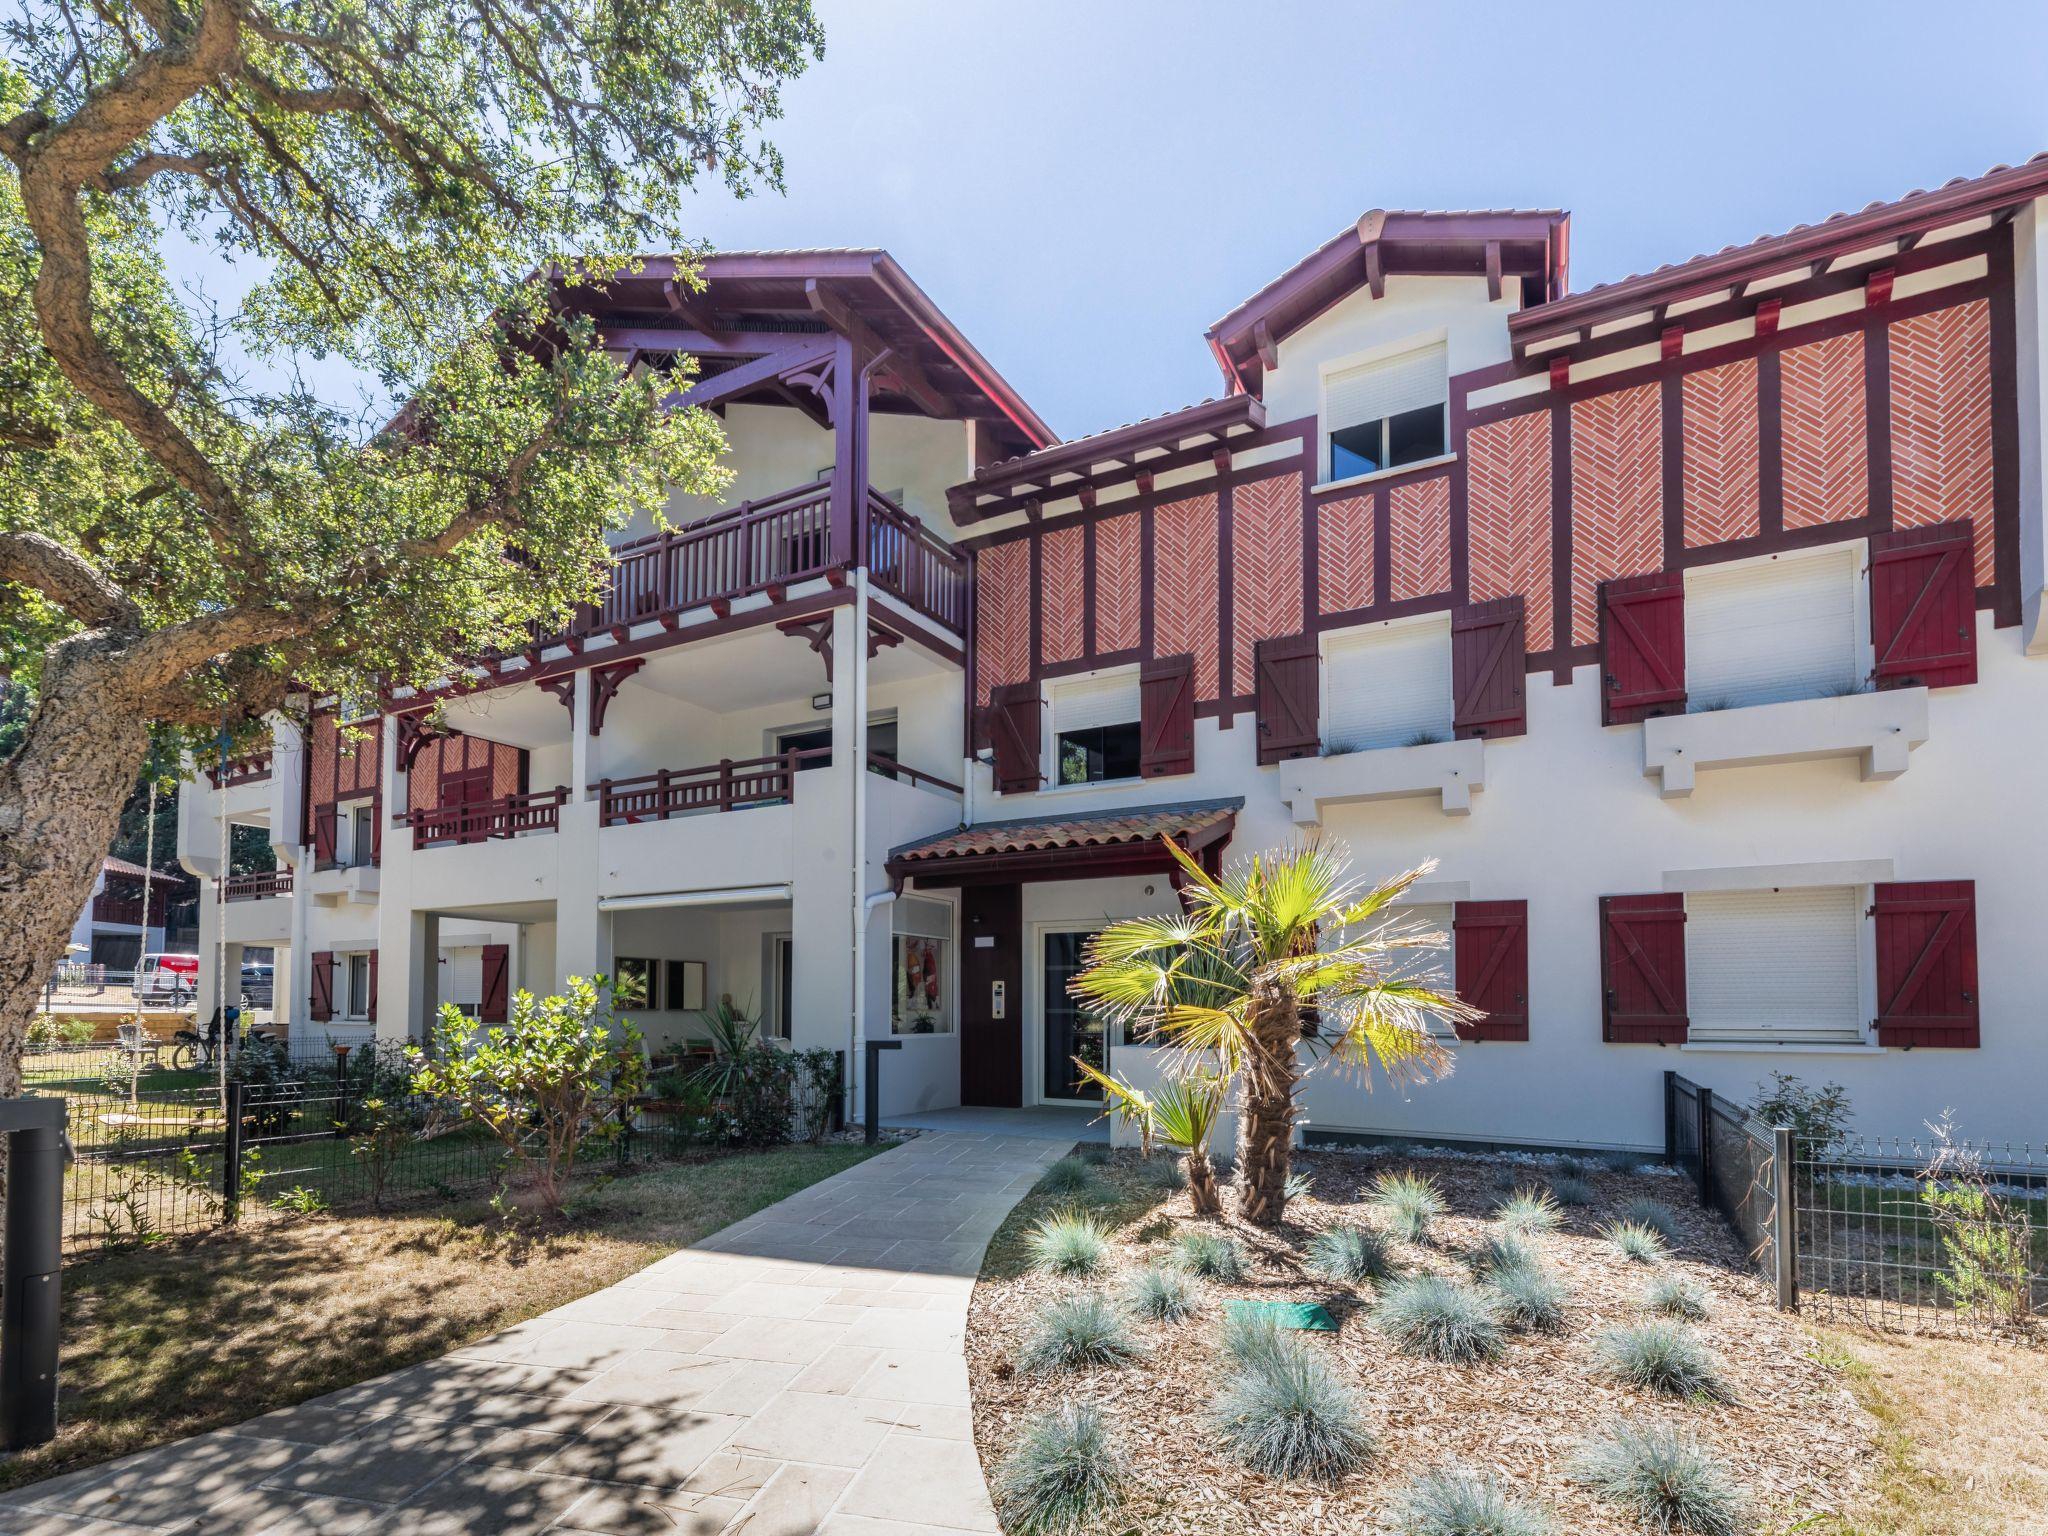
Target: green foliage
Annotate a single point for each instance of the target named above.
(1663, 1357)
(1818, 1116)
(1466, 1501)
(1572, 1166)
(1676, 1296)
(1094, 1153)
(1062, 1475)
(1655, 1215)
(1499, 1252)
(1067, 1243)
(1300, 1185)
(1164, 1173)
(1068, 1176)
(1440, 1320)
(385, 1130)
(1210, 1255)
(300, 1201)
(1529, 1210)
(1662, 1476)
(1249, 1336)
(1182, 1112)
(562, 1073)
(1350, 1254)
(47, 1029)
(733, 1031)
(1638, 1244)
(1986, 1239)
(1285, 1415)
(1075, 1332)
(1161, 1295)
(1572, 1191)
(1411, 1202)
(1530, 1297)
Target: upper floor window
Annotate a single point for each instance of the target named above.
(1388, 685)
(1790, 626)
(1384, 414)
(1095, 728)
(363, 834)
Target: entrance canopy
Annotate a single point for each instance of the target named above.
(1084, 846)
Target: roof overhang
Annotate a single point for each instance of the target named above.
(1092, 845)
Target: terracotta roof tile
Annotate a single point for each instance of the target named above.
(1133, 824)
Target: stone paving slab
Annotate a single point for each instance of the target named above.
(799, 1373)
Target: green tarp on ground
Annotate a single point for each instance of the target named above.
(1304, 1315)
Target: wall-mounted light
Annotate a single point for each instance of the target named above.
(821, 701)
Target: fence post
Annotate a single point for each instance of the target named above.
(873, 1085)
(1784, 1219)
(29, 1324)
(231, 1157)
(1706, 1107)
(1670, 1118)
(839, 1092)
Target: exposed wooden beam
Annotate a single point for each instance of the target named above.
(807, 353)
(1493, 270)
(1375, 271)
(667, 338)
(1269, 350)
(900, 369)
(690, 308)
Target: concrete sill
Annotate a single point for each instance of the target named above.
(1450, 770)
(1879, 728)
(338, 887)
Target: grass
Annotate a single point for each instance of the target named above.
(1529, 1297)
(1161, 1296)
(1676, 1296)
(1252, 1338)
(1069, 1176)
(1061, 1475)
(1075, 1332)
(1660, 1357)
(1440, 1320)
(1655, 1215)
(1285, 1415)
(1068, 1243)
(1466, 1501)
(1529, 1210)
(1638, 1244)
(1500, 1252)
(1572, 1190)
(1662, 1476)
(1210, 1255)
(1411, 1202)
(1350, 1254)
(169, 1341)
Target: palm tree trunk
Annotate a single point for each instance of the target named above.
(1202, 1184)
(1265, 1136)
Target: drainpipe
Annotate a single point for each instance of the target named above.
(856, 666)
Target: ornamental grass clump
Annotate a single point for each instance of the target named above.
(1067, 1243)
(1061, 1476)
(1068, 1176)
(1531, 1298)
(1655, 1215)
(1662, 1357)
(1250, 1337)
(1161, 1296)
(1638, 1244)
(1075, 1332)
(1501, 1251)
(1676, 1296)
(1662, 1476)
(1285, 1415)
(1466, 1501)
(1210, 1255)
(1350, 1254)
(1439, 1320)
(1571, 1190)
(1528, 1211)
(1411, 1201)
(1164, 1173)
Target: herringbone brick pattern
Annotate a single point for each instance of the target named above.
(1184, 586)
(1827, 470)
(1265, 552)
(1344, 535)
(1119, 582)
(1617, 496)
(1419, 539)
(1718, 411)
(1507, 488)
(1061, 594)
(1941, 422)
(1002, 616)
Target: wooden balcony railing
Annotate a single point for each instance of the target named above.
(110, 908)
(241, 770)
(889, 768)
(537, 811)
(909, 561)
(729, 785)
(254, 887)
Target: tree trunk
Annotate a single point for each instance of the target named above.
(1265, 1136)
(60, 803)
(1202, 1184)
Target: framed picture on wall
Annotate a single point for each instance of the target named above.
(634, 983)
(685, 985)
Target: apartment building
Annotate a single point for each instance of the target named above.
(1690, 623)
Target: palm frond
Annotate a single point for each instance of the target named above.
(1381, 895)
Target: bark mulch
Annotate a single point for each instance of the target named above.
(1791, 1434)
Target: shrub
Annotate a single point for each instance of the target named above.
(1068, 1176)
(1286, 1416)
(1160, 1295)
(1249, 1336)
(1061, 1475)
(1210, 1255)
(1636, 1243)
(46, 1030)
(1986, 1239)
(1074, 1332)
(1676, 1296)
(1439, 1320)
(1662, 1476)
(1655, 1215)
(1532, 1297)
(1530, 1210)
(1412, 1202)
(1818, 1116)
(1465, 1501)
(1067, 1243)
(1663, 1357)
(1571, 1191)
(1500, 1252)
(1350, 1254)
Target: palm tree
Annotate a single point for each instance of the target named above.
(1182, 1112)
(1225, 983)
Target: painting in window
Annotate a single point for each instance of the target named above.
(920, 991)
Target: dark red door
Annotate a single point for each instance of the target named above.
(468, 787)
(992, 955)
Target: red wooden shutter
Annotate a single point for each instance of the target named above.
(323, 985)
(1166, 716)
(497, 984)
(324, 818)
(1490, 950)
(1487, 645)
(1642, 646)
(372, 1013)
(1014, 730)
(1289, 673)
(1927, 963)
(1642, 969)
(1923, 606)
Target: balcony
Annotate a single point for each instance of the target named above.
(729, 785)
(110, 908)
(480, 821)
(1880, 730)
(257, 886)
(242, 770)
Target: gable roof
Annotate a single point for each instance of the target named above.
(1076, 844)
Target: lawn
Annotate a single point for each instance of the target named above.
(166, 1341)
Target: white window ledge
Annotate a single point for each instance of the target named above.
(355, 884)
(1782, 1048)
(1880, 728)
(1451, 770)
(1352, 482)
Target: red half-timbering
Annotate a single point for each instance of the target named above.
(1617, 519)
(1184, 586)
(1508, 497)
(1941, 423)
(1119, 583)
(1824, 431)
(1002, 610)
(1419, 539)
(1266, 561)
(342, 763)
(457, 769)
(1062, 590)
(1344, 554)
(1720, 482)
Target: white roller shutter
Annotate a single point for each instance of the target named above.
(1775, 964)
(1387, 685)
(1386, 388)
(1779, 629)
(1086, 703)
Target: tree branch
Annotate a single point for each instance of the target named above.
(37, 561)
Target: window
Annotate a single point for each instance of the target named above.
(1775, 965)
(1095, 725)
(1433, 967)
(921, 980)
(1384, 414)
(359, 986)
(363, 833)
(635, 983)
(1388, 685)
(1763, 631)
(818, 740)
(683, 985)
(782, 963)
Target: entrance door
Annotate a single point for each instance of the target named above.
(992, 995)
(466, 787)
(1071, 1030)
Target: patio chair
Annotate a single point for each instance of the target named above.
(132, 1040)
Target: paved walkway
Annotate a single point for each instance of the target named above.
(1050, 1122)
(798, 1372)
